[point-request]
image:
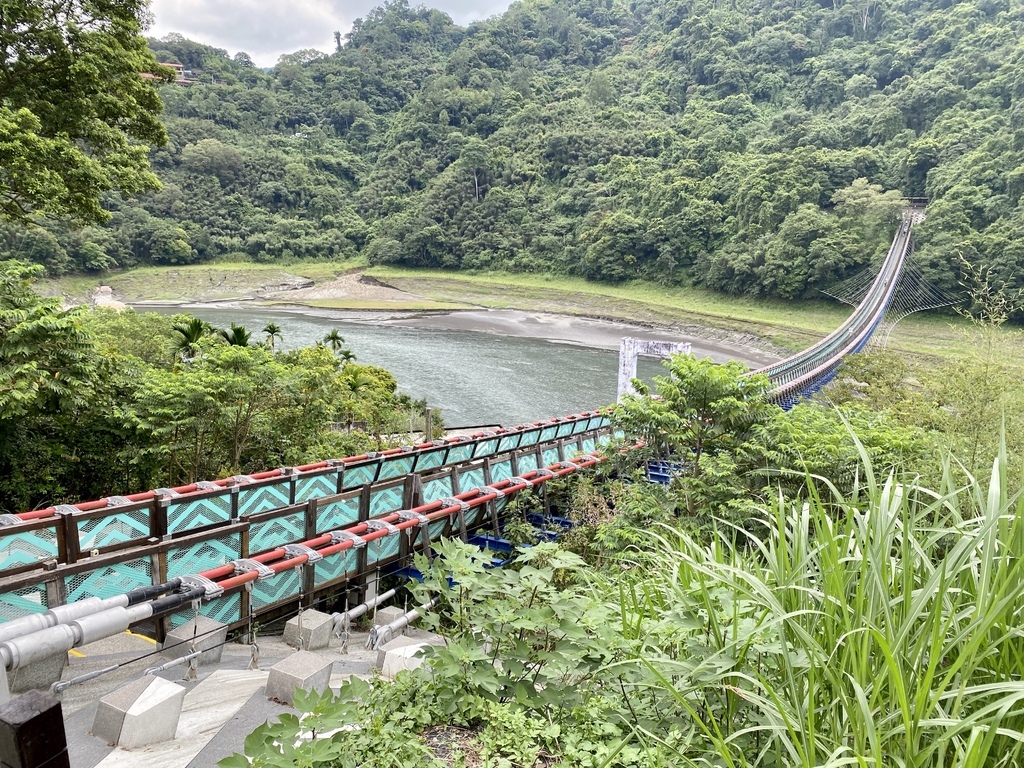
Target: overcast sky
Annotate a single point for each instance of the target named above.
(266, 29)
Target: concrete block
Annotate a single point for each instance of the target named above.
(387, 615)
(314, 634)
(209, 636)
(39, 675)
(406, 657)
(424, 639)
(303, 669)
(32, 732)
(144, 712)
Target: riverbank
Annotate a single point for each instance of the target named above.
(419, 296)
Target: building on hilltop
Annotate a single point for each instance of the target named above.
(182, 76)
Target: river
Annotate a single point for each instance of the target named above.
(473, 377)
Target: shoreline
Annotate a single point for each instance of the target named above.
(553, 327)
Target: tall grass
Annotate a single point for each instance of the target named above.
(884, 630)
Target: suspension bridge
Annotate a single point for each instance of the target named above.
(258, 546)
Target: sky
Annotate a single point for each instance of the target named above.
(266, 29)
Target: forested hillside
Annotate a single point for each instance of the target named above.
(750, 146)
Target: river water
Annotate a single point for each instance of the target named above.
(474, 378)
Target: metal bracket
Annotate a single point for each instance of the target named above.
(568, 465)
(168, 492)
(10, 520)
(372, 455)
(339, 536)
(195, 580)
(294, 550)
(484, 490)
(286, 470)
(380, 525)
(408, 448)
(118, 501)
(519, 480)
(66, 509)
(408, 514)
(206, 485)
(243, 479)
(451, 501)
(247, 565)
(544, 472)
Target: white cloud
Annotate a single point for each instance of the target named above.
(265, 30)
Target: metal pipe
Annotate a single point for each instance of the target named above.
(342, 620)
(380, 635)
(19, 651)
(60, 614)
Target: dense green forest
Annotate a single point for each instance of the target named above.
(752, 147)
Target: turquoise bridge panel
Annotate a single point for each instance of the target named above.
(27, 547)
(270, 534)
(23, 602)
(460, 452)
(223, 609)
(316, 487)
(501, 470)
(527, 462)
(274, 590)
(396, 467)
(252, 501)
(109, 581)
(187, 515)
(361, 475)
(336, 566)
(485, 448)
(337, 514)
(438, 488)
(203, 555)
(431, 460)
(471, 478)
(386, 500)
(100, 532)
(383, 549)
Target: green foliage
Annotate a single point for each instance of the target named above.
(702, 415)
(98, 403)
(748, 149)
(46, 361)
(861, 630)
(75, 116)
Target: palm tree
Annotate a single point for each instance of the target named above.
(334, 339)
(190, 332)
(273, 331)
(346, 356)
(236, 336)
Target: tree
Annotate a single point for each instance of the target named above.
(702, 408)
(190, 331)
(273, 331)
(334, 340)
(75, 115)
(46, 359)
(236, 335)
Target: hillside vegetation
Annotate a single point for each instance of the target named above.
(749, 147)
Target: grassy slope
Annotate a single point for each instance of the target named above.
(195, 282)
